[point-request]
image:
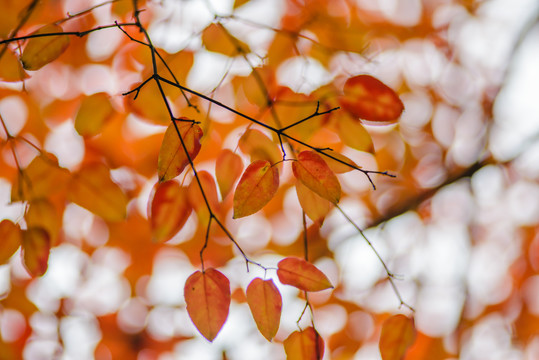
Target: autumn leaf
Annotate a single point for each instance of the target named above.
(314, 206)
(10, 239)
(265, 302)
(207, 295)
(35, 250)
(95, 110)
(353, 134)
(302, 275)
(228, 168)
(259, 147)
(11, 68)
(256, 188)
(304, 345)
(169, 210)
(367, 98)
(217, 39)
(42, 213)
(44, 49)
(41, 178)
(198, 201)
(339, 167)
(314, 173)
(92, 188)
(172, 157)
(398, 334)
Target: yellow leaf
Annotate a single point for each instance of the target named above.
(44, 49)
(92, 188)
(11, 68)
(42, 213)
(217, 39)
(353, 134)
(95, 110)
(259, 147)
(314, 206)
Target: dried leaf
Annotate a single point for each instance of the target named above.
(92, 188)
(302, 275)
(228, 168)
(398, 334)
(35, 250)
(314, 206)
(10, 240)
(259, 147)
(314, 173)
(256, 188)
(169, 210)
(44, 49)
(172, 157)
(368, 98)
(304, 345)
(95, 110)
(217, 39)
(265, 302)
(207, 295)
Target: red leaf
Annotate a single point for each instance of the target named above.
(172, 157)
(314, 173)
(302, 274)
(368, 98)
(35, 250)
(265, 302)
(169, 210)
(207, 295)
(304, 345)
(256, 188)
(398, 334)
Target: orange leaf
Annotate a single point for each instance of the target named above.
(169, 210)
(256, 188)
(302, 274)
(265, 302)
(93, 189)
(398, 334)
(44, 49)
(228, 168)
(207, 295)
(217, 39)
(42, 213)
(10, 239)
(10, 67)
(368, 98)
(314, 206)
(197, 200)
(41, 178)
(353, 134)
(304, 345)
(238, 3)
(95, 110)
(259, 147)
(172, 157)
(35, 250)
(313, 171)
(149, 104)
